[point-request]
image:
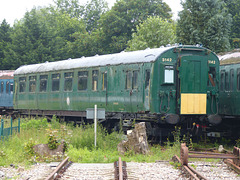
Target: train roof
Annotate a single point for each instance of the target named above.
(141, 56)
(6, 74)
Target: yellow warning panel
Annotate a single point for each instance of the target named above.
(193, 103)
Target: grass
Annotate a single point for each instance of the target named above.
(17, 149)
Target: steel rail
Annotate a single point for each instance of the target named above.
(120, 172)
(209, 153)
(230, 163)
(54, 174)
(189, 170)
(212, 156)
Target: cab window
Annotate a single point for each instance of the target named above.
(168, 74)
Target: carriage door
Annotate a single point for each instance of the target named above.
(193, 84)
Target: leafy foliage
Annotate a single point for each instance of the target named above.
(205, 22)
(153, 32)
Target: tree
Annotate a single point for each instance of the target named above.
(42, 35)
(204, 22)
(119, 23)
(70, 7)
(233, 7)
(92, 13)
(153, 32)
(5, 31)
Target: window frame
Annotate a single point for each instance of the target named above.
(55, 79)
(32, 85)
(168, 68)
(43, 80)
(231, 81)
(104, 81)
(68, 81)
(83, 77)
(95, 74)
(22, 81)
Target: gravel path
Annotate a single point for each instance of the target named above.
(136, 171)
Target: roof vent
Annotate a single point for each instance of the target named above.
(82, 57)
(161, 46)
(46, 62)
(69, 58)
(96, 55)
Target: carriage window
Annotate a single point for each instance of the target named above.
(226, 81)
(231, 79)
(135, 77)
(169, 74)
(94, 80)
(222, 81)
(128, 84)
(11, 88)
(22, 84)
(2, 86)
(55, 82)
(238, 79)
(68, 81)
(7, 87)
(32, 83)
(147, 78)
(82, 80)
(104, 81)
(43, 83)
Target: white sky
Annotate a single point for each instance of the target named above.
(15, 9)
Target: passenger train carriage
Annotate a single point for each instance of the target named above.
(6, 91)
(229, 101)
(162, 86)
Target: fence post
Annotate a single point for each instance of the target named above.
(2, 126)
(18, 125)
(11, 126)
(1, 129)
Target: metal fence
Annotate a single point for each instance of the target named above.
(5, 132)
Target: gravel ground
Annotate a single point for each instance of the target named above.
(214, 171)
(136, 171)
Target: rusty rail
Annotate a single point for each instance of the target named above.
(190, 172)
(232, 160)
(120, 170)
(61, 166)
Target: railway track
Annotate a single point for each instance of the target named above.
(89, 171)
(119, 170)
(206, 170)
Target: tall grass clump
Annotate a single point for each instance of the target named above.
(83, 137)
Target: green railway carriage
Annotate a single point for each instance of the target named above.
(229, 90)
(166, 85)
